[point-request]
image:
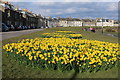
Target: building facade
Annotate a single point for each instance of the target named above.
(88, 22)
(63, 22)
(70, 22)
(104, 22)
(12, 15)
(116, 23)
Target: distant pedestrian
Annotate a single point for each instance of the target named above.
(90, 29)
(85, 29)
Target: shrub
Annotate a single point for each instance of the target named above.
(110, 30)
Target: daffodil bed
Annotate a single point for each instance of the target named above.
(66, 53)
(61, 34)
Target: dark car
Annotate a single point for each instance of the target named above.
(32, 27)
(28, 27)
(4, 27)
(35, 27)
(18, 27)
(23, 27)
(11, 27)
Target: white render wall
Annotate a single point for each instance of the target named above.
(66, 23)
(63, 23)
(70, 23)
(78, 23)
(105, 24)
(116, 24)
(55, 23)
(88, 24)
(50, 24)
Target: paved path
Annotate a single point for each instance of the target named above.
(10, 34)
(107, 34)
(112, 35)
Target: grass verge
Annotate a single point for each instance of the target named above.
(14, 69)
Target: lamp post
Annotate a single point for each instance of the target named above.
(102, 25)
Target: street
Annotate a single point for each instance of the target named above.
(10, 34)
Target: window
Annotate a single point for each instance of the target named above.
(107, 20)
(103, 20)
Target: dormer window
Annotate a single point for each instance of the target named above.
(107, 20)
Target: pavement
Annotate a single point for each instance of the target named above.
(10, 34)
(112, 35)
(108, 34)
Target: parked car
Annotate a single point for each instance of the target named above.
(42, 27)
(4, 27)
(46, 27)
(49, 26)
(11, 27)
(32, 27)
(39, 27)
(23, 27)
(18, 27)
(28, 27)
(36, 27)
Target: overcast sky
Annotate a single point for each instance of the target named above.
(72, 8)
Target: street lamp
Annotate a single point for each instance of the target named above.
(102, 25)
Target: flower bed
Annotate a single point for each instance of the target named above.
(61, 34)
(66, 32)
(66, 53)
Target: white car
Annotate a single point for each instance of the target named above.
(42, 27)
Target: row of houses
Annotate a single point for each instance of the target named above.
(15, 16)
(71, 22)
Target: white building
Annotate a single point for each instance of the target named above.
(70, 22)
(55, 22)
(104, 22)
(63, 22)
(88, 22)
(78, 23)
(52, 22)
(49, 22)
(116, 23)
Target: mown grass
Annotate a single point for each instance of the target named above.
(14, 69)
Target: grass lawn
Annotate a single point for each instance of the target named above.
(14, 69)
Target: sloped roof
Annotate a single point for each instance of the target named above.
(70, 19)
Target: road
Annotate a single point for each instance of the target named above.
(10, 34)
